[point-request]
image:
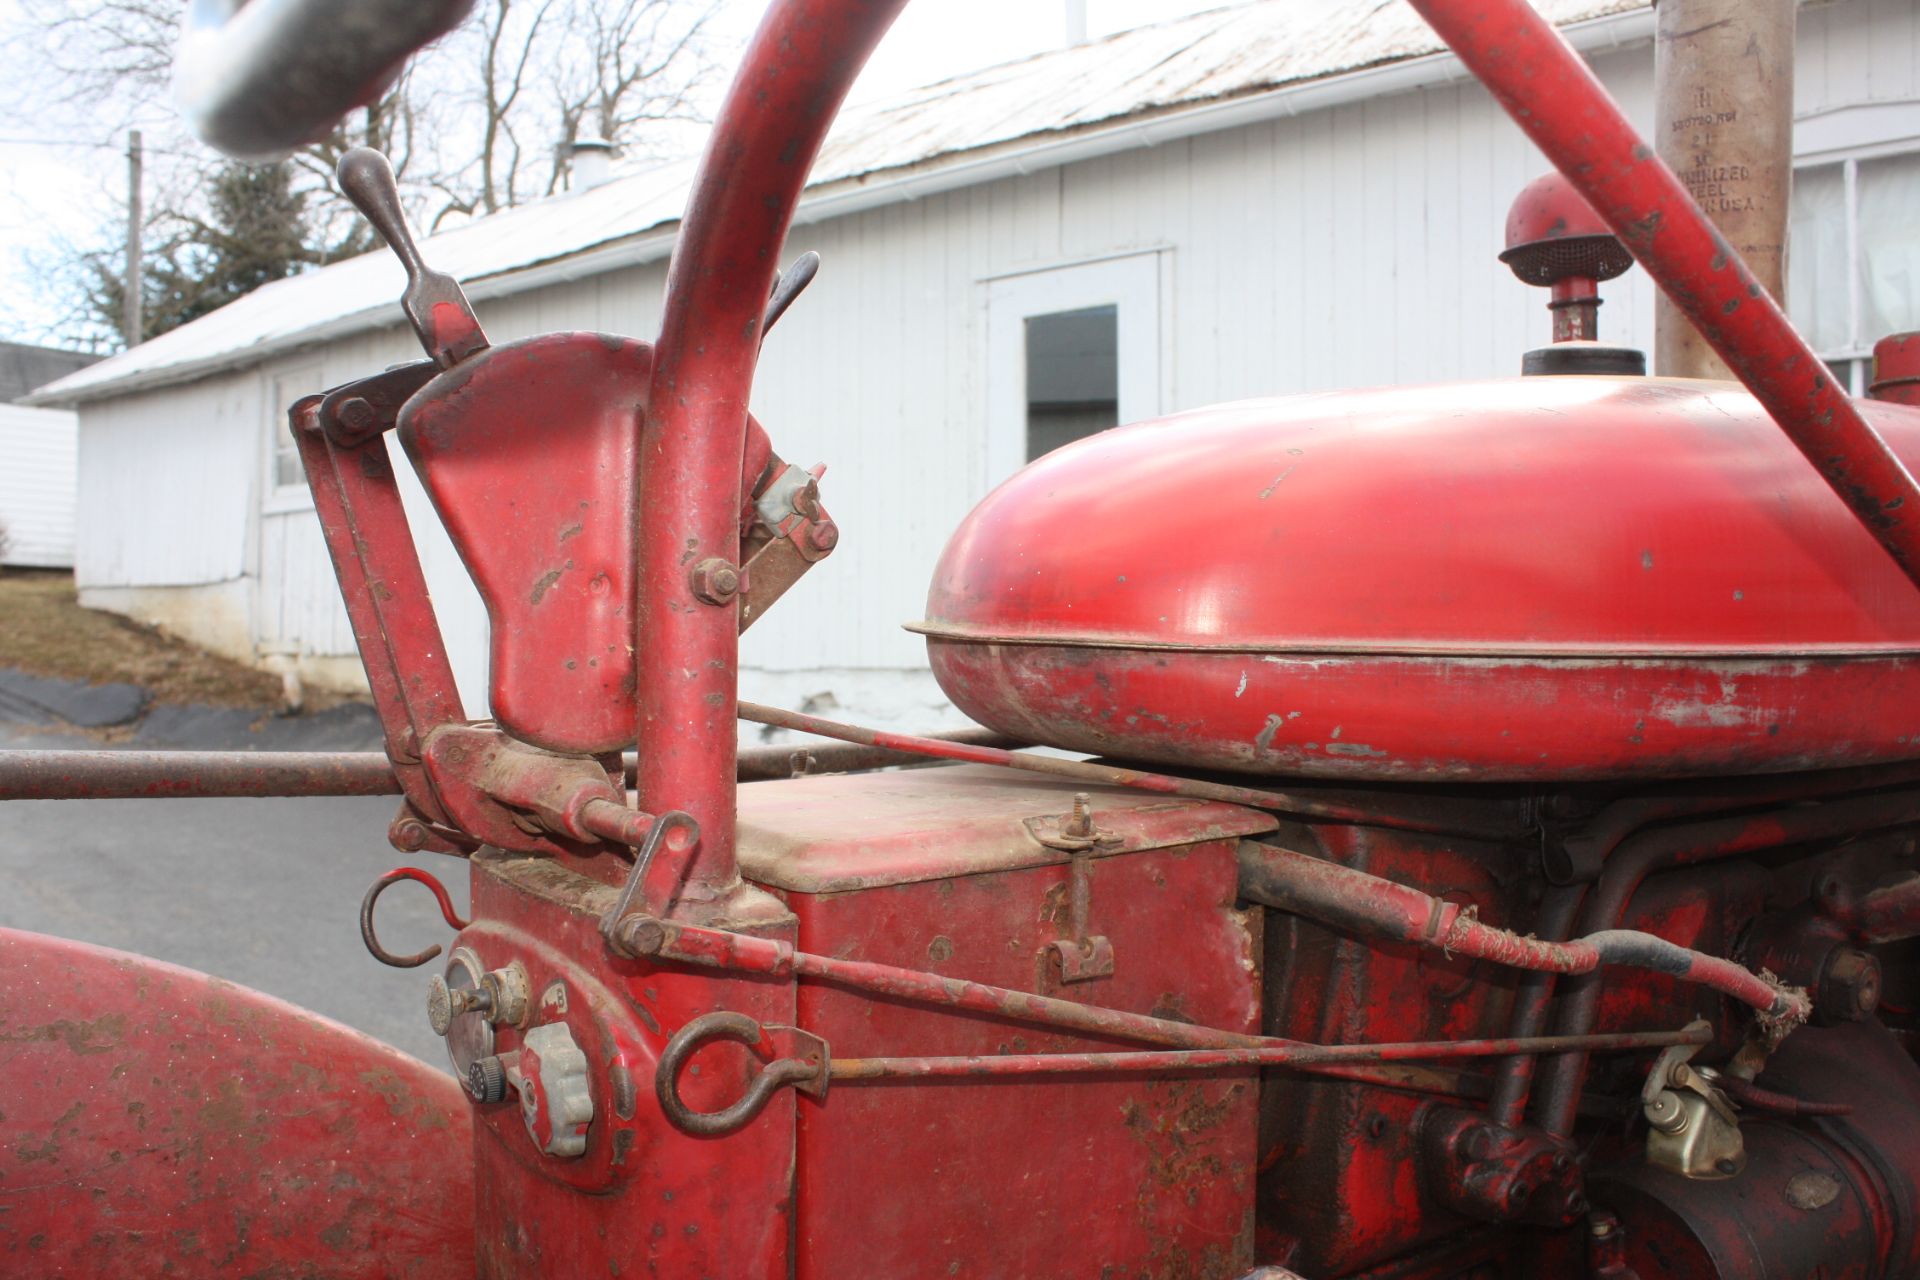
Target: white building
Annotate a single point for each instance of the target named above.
(1275, 197)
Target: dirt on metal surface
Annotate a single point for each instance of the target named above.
(45, 632)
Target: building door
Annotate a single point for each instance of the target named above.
(1070, 351)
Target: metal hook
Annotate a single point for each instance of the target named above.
(379, 887)
(702, 1031)
(634, 894)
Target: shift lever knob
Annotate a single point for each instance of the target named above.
(434, 302)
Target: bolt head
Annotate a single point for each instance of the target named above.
(715, 581)
(826, 536)
(355, 414)
(409, 835)
(642, 936)
(439, 1005)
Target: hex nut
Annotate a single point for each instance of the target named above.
(1849, 986)
(715, 581)
(355, 415)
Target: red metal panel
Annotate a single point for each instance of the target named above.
(527, 451)
(825, 835)
(656, 1201)
(1079, 1177)
(941, 870)
(160, 1120)
(1551, 605)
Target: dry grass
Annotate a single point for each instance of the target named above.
(45, 632)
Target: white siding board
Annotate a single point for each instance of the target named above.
(168, 485)
(38, 474)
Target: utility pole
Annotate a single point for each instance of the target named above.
(133, 319)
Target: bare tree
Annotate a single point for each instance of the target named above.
(628, 65)
(111, 53)
(480, 123)
(616, 69)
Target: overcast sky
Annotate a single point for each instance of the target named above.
(49, 192)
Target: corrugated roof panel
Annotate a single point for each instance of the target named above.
(1205, 57)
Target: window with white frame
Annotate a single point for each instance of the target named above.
(1853, 260)
(1071, 350)
(286, 478)
(1073, 377)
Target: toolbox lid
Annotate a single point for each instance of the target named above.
(843, 832)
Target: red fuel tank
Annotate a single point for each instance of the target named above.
(1535, 578)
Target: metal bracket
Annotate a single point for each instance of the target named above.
(796, 533)
(1693, 1130)
(1081, 956)
(381, 583)
(651, 884)
(790, 1057)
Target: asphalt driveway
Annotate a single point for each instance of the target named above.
(265, 893)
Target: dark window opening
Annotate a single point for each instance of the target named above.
(1073, 376)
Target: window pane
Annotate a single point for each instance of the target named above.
(1817, 257)
(1889, 246)
(287, 471)
(1073, 376)
(284, 390)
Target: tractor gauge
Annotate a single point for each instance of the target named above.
(457, 1006)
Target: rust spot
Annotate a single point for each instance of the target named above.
(97, 1036)
(624, 1094)
(50, 1149)
(541, 587)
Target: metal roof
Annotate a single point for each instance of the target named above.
(1154, 72)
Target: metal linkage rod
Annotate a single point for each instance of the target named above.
(1372, 906)
(812, 1071)
(1304, 1056)
(1087, 771)
(1556, 100)
(649, 936)
(131, 775)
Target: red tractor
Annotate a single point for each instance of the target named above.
(1495, 859)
